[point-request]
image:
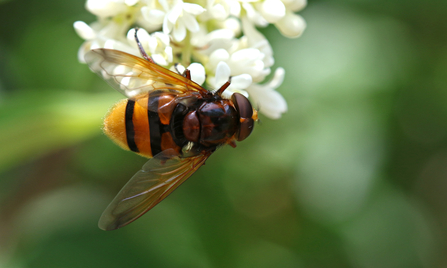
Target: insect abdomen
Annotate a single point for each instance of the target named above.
(142, 124)
(114, 124)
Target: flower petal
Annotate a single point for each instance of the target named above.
(164, 4)
(153, 44)
(159, 59)
(291, 25)
(164, 38)
(241, 81)
(233, 25)
(230, 91)
(218, 11)
(278, 78)
(253, 15)
(153, 16)
(222, 74)
(197, 73)
(193, 8)
(142, 34)
(270, 102)
(105, 8)
(273, 105)
(179, 32)
(273, 10)
(257, 40)
(84, 30)
(110, 44)
(248, 54)
(85, 47)
(180, 69)
(220, 34)
(296, 5)
(168, 52)
(175, 12)
(167, 26)
(130, 2)
(235, 7)
(217, 56)
(190, 22)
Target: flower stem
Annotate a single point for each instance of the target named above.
(187, 50)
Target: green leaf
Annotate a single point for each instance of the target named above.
(35, 122)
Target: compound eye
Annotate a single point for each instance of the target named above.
(243, 106)
(246, 127)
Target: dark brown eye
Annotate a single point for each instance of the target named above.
(243, 105)
(245, 110)
(246, 129)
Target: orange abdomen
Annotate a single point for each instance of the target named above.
(142, 124)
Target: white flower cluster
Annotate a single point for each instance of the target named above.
(216, 39)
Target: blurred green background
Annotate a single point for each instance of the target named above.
(354, 175)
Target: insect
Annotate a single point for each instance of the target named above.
(168, 118)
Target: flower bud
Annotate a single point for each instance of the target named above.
(291, 25)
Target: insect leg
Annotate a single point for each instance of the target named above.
(140, 47)
(187, 74)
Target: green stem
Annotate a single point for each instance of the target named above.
(187, 50)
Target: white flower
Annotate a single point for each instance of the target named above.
(176, 16)
(271, 10)
(238, 83)
(295, 5)
(291, 25)
(216, 39)
(256, 40)
(221, 9)
(217, 9)
(84, 31)
(107, 8)
(156, 45)
(269, 101)
(279, 12)
(98, 35)
(248, 61)
(253, 15)
(197, 73)
(232, 24)
(152, 13)
(207, 42)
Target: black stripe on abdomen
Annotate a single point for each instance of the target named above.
(155, 127)
(130, 131)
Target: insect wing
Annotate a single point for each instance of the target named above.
(133, 76)
(156, 180)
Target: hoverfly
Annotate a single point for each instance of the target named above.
(168, 118)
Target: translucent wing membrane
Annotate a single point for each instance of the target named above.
(157, 179)
(133, 76)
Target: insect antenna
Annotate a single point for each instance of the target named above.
(223, 87)
(140, 47)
